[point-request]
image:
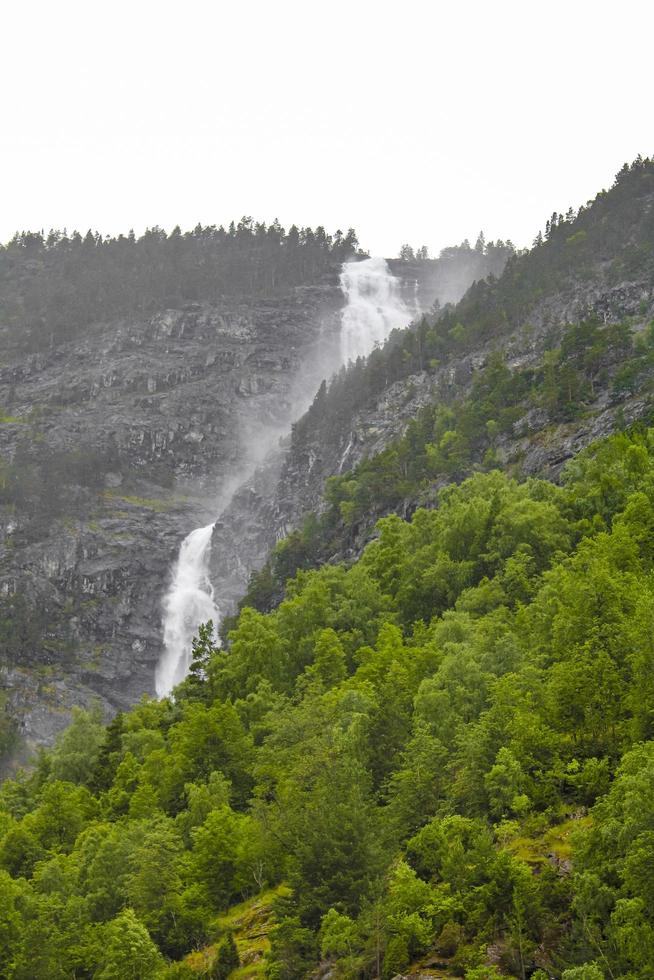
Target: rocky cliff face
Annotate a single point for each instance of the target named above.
(165, 412)
(136, 433)
(279, 496)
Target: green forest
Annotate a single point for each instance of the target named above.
(52, 286)
(461, 432)
(444, 749)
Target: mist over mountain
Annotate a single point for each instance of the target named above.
(416, 499)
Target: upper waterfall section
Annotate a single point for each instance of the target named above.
(373, 307)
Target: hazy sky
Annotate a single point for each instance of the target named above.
(413, 121)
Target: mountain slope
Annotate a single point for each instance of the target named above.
(572, 312)
(140, 381)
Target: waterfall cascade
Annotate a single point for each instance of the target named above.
(188, 603)
(373, 308)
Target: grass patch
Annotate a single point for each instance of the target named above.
(553, 845)
(158, 504)
(250, 923)
(255, 969)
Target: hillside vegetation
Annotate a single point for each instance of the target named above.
(144, 364)
(580, 363)
(411, 744)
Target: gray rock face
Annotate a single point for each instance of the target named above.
(173, 402)
(167, 414)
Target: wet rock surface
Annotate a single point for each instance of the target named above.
(169, 405)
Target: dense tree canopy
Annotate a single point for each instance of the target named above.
(54, 285)
(416, 745)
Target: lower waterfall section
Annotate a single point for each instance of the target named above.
(189, 602)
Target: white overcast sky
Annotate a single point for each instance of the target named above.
(413, 121)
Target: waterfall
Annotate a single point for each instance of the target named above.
(345, 454)
(374, 307)
(188, 603)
